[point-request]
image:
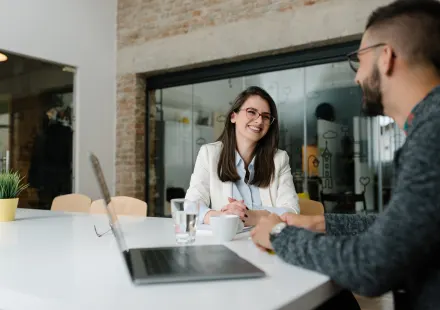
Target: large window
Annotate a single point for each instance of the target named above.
(336, 155)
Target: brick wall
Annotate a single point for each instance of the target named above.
(130, 136)
(141, 21)
(166, 35)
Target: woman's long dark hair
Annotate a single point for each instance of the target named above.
(264, 151)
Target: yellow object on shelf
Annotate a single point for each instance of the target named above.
(7, 209)
(304, 195)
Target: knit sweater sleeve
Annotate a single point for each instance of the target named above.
(347, 224)
(376, 260)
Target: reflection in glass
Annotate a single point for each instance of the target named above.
(333, 100)
(50, 170)
(335, 153)
(36, 104)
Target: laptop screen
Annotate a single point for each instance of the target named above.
(114, 222)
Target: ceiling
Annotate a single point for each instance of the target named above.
(18, 65)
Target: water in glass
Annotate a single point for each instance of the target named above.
(185, 215)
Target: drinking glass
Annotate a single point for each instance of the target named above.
(185, 215)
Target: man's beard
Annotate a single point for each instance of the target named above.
(372, 102)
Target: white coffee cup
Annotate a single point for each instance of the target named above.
(224, 227)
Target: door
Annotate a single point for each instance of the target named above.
(5, 102)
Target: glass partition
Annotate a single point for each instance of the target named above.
(337, 156)
(36, 127)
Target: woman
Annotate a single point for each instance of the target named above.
(244, 173)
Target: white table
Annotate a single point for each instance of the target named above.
(51, 260)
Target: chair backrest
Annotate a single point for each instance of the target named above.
(71, 203)
(122, 205)
(310, 207)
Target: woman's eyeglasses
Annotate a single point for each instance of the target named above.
(253, 114)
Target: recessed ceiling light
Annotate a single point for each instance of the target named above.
(3, 57)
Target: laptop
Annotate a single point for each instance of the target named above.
(178, 263)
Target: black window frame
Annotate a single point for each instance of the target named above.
(297, 59)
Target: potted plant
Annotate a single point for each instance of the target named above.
(11, 185)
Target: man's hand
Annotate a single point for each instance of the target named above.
(314, 223)
(261, 233)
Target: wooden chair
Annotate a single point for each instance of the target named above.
(310, 207)
(122, 205)
(71, 203)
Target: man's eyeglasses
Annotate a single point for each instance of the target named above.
(353, 57)
(100, 235)
(253, 114)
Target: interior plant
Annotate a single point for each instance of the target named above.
(11, 185)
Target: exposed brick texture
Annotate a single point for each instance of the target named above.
(141, 21)
(130, 136)
(168, 35)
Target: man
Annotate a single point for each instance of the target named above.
(398, 68)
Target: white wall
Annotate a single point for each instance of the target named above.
(80, 33)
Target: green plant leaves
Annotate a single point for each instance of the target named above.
(11, 185)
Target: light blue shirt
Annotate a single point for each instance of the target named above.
(243, 191)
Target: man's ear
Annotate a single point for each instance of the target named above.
(387, 60)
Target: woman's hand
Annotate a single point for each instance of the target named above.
(236, 207)
(207, 218)
(250, 217)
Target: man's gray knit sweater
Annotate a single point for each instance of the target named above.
(399, 250)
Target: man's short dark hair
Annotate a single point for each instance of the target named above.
(412, 28)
